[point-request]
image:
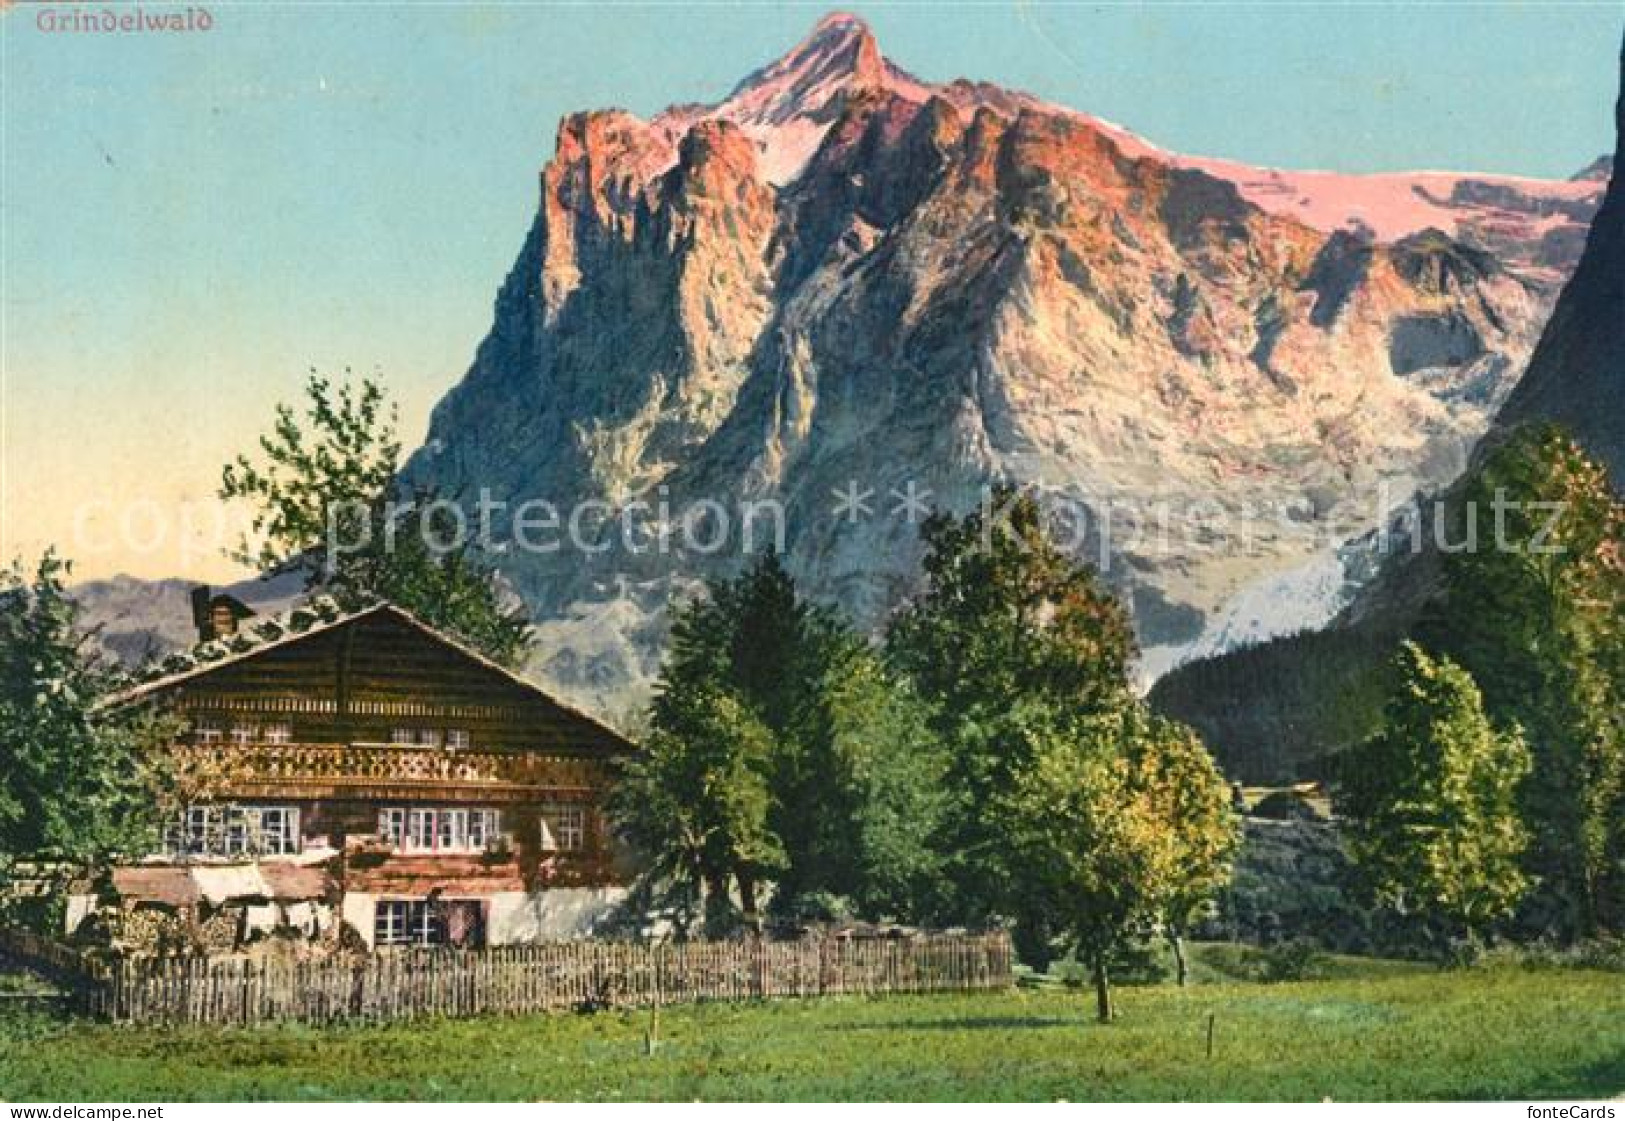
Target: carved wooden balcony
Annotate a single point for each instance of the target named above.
(379, 771)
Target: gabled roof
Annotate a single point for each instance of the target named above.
(247, 649)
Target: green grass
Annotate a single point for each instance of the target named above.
(1371, 1031)
(1221, 961)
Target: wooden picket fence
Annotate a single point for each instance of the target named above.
(514, 980)
(83, 980)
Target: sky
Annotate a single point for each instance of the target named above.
(191, 221)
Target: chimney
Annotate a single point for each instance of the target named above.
(216, 616)
(201, 619)
(222, 617)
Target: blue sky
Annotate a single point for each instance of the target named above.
(193, 220)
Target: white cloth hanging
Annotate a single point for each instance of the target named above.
(261, 919)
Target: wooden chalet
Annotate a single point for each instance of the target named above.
(442, 798)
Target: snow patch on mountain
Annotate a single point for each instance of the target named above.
(1303, 598)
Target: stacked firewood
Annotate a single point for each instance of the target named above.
(217, 934)
(149, 930)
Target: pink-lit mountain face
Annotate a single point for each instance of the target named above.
(842, 274)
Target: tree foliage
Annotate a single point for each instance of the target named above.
(995, 766)
(1533, 607)
(1006, 615)
(889, 771)
(1194, 799)
(321, 474)
(1432, 802)
(1118, 823)
(327, 502)
(79, 783)
(697, 798)
(850, 787)
(1074, 811)
(1007, 625)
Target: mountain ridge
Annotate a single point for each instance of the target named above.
(1577, 374)
(842, 275)
(1276, 710)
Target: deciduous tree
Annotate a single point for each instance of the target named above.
(1006, 624)
(1115, 826)
(697, 799)
(887, 790)
(1533, 607)
(1194, 800)
(327, 502)
(79, 782)
(1432, 802)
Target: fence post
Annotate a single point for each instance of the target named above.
(358, 985)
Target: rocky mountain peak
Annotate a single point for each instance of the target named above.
(788, 105)
(838, 56)
(841, 276)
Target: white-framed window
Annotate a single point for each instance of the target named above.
(206, 730)
(418, 922)
(458, 739)
(276, 829)
(451, 830)
(237, 831)
(243, 733)
(392, 827)
(484, 826)
(564, 826)
(280, 732)
(194, 835)
(238, 838)
(420, 830)
(438, 828)
(407, 922)
(412, 736)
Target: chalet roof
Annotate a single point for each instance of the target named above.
(172, 886)
(314, 616)
(297, 881)
(216, 884)
(317, 617)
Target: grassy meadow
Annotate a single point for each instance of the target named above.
(1364, 1031)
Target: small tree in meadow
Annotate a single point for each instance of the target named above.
(1114, 827)
(1193, 799)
